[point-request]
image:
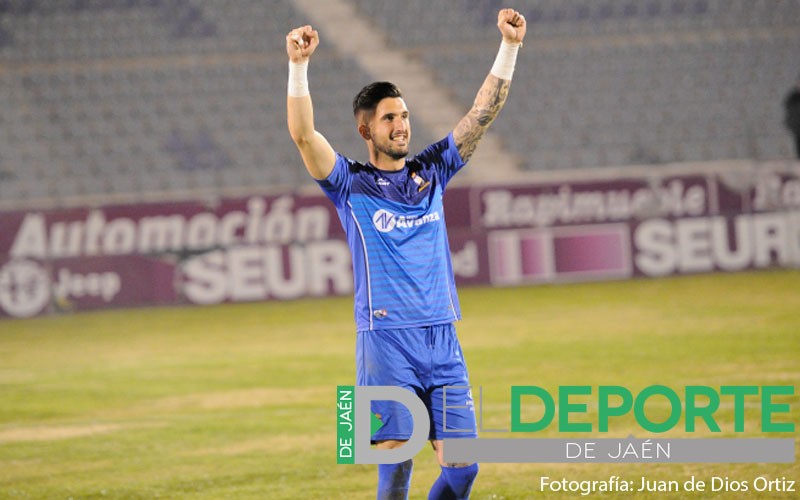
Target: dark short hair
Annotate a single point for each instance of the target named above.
(369, 97)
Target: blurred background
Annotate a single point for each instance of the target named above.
(144, 142)
(119, 99)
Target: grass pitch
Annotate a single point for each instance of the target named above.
(237, 401)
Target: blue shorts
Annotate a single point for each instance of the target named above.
(427, 361)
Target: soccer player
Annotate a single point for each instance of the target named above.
(391, 210)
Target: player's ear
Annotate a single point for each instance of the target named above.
(363, 130)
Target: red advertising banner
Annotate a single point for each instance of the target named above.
(657, 222)
(650, 225)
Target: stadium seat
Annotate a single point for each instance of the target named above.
(96, 92)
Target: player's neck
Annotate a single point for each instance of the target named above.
(386, 163)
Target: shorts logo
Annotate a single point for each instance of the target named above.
(384, 221)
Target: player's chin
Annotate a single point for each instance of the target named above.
(399, 153)
(401, 150)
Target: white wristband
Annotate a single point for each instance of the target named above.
(503, 67)
(298, 79)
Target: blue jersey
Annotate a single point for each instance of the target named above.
(396, 231)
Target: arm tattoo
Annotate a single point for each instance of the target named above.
(488, 103)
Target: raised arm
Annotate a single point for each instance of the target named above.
(492, 94)
(317, 153)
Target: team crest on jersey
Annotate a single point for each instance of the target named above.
(419, 181)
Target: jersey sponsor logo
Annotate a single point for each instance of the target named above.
(386, 221)
(383, 182)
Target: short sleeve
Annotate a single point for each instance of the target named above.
(337, 185)
(444, 156)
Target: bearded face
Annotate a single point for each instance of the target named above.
(389, 128)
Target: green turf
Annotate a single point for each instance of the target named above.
(237, 401)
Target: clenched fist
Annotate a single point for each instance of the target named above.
(512, 25)
(301, 43)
